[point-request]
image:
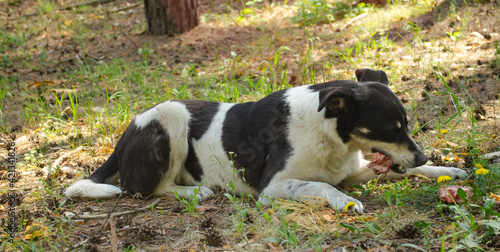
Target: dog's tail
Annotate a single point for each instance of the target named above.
(99, 184)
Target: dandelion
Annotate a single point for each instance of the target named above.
(349, 205)
(443, 179)
(479, 166)
(481, 171)
(444, 132)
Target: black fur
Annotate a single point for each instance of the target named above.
(143, 156)
(256, 133)
(106, 170)
(366, 74)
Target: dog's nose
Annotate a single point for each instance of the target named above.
(420, 159)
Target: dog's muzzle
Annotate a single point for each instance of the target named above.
(420, 159)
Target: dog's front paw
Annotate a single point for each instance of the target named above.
(456, 173)
(437, 171)
(345, 203)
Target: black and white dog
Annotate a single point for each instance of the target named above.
(294, 143)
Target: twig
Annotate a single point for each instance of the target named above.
(65, 156)
(99, 216)
(120, 28)
(74, 6)
(355, 19)
(104, 225)
(79, 60)
(73, 247)
(114, 239)
(70, 7)
(127, 7)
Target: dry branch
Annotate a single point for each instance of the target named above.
(118, 214)
(114, 239)
(127, 7)
(70, 7)
(73, 247)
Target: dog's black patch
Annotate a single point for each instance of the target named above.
(202, 114)
(364, 75)
(192, 164)
(143, 157)
(256, 132)
(381, 111)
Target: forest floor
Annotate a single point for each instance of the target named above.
(71, 80)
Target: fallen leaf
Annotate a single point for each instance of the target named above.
(328, 214)
(35, 231)
(202, 209)
(494, 196)
(41, 83)
(272, 246)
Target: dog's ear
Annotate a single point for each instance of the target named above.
(338, 100)
(367, 74)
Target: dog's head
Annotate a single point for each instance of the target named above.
(370, 117)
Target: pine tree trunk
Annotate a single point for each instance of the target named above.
(170, 17)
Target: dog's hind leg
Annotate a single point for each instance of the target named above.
(156, 149)
(174, 117)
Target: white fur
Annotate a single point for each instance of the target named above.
(174, 117)
(87, 188)
(144, 118)
(316, 147)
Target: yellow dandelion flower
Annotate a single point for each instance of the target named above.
(443, 179)
(349, 206)
(444, 131)
(479, 166)
(447, 158)
(482, 171)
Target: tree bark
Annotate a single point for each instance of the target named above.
(170, 17)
